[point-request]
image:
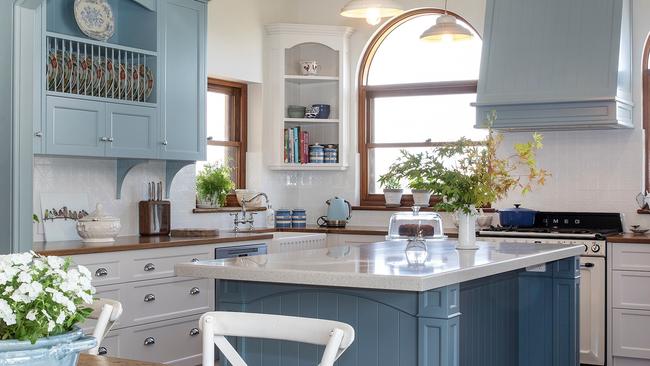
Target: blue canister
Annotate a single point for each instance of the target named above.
(283, 218)
(298, 218)
(330, 154)
(316, 154)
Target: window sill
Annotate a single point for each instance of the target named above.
(643, 211)
(408, 208)
(225, 210)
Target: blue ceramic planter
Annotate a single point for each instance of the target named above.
(60, 350)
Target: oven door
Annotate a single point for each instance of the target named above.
(592, 310)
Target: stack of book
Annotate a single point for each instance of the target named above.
(296, 146)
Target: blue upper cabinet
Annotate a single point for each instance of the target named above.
(138, 95)
(182, 43)
(556, 64)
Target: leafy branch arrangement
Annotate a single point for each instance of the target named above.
(469, 174)
(214, 183)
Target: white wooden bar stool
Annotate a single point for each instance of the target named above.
(217, 325)
(106, 312)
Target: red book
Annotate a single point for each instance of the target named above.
(305, 147)
(302, 147)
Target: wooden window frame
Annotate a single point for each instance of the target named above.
(366, 94)
(238, 128)
(645, 72)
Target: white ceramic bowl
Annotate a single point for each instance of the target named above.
(98, 227)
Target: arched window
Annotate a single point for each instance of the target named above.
(413, 95)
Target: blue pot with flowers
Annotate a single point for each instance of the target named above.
(42, 299)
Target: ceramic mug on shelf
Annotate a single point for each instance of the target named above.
(309, 67)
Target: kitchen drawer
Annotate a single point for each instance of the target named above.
(113, 292)
(160, 263)
(631, 257)
(630, 333)
(631, 290)
(105, 269)
(175, 342)
(155, 300)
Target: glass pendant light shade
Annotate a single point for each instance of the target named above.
(446, 29)
(371, 10)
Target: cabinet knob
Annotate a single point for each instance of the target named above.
(110, 139)
(149, 341)
(194, 260)
(101, 272)
(194, 332)
(164, 143)
(103, 139)
(149, 297)
(210, 138)
(194, 291)
(102, 351)
(149, 267)
(38, 134)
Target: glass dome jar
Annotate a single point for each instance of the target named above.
(409, 225)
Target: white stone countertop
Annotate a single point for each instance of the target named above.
(383, 265)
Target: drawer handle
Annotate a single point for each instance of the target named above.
(194, 291)
(194, 260)
(149, 297)
(102, 351)
(194, 332)
(103, 139)
(38, 134)
(150, 341)
(149, 267)
(587, 265)
(101, 272)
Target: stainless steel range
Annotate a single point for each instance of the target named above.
(591, 230)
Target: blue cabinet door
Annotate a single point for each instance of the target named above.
(75, 127)
(131, 131)
(182, 32)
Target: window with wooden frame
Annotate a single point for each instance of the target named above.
(226, 129)
(646, 109)
(413, 95)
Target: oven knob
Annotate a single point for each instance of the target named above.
(595, 248)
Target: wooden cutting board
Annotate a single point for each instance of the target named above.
(193, 233)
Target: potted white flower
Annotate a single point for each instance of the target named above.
(42, 299)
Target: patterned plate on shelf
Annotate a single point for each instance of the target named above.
(94, 18)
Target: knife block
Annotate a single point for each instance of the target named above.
(154, 217)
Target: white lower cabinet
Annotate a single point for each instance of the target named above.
(629, 299)
(161, 311)
(334, 240)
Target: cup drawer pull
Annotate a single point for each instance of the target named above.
(149, 267)
(101, 272)
(194, 291)
(194, 260)
(150, 341)
(102, 351)
(149, 297)
(194, 332)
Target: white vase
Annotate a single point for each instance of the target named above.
(467, 229)
(421, 197)
(393, 197)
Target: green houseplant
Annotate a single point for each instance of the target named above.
(213, 184)
(392, 191)
(469, 174)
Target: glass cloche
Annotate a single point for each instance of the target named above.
(405, 225)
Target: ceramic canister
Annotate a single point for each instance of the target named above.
(283, 218)
(299, 218)
(316, 154)
(330, 154)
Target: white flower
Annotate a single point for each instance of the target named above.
(21, 258)
(27, 292)
(31, 315)
(25, 277)
(60, 298)
(8, 290)
(50, 325)
(55, 262)
(84, 272)
(61, 318)
(6, 313)
(39, 264)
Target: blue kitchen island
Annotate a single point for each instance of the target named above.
(503, 304)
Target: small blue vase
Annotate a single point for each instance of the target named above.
(60, 350)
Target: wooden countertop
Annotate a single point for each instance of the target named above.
(74, 247)
(89, 360)
(629, 238)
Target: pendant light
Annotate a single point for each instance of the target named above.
(446, 29)
(372, 10)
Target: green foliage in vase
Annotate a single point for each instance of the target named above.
(470, 173)
(214, 182)
(390, 182)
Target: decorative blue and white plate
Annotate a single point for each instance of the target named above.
(94, 18)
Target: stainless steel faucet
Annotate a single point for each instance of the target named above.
(247, 219)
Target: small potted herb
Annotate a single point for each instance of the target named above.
(213, 184)
(392, 191)
(410, 170)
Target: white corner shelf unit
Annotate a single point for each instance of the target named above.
(286, 47)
